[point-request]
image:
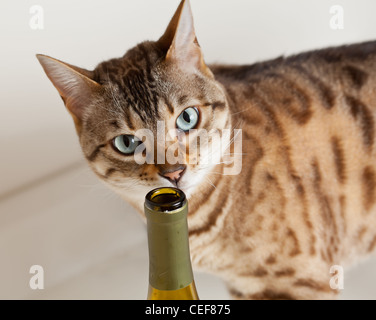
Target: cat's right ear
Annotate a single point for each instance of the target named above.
(75, 85)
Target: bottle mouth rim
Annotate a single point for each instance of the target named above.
(165, 199)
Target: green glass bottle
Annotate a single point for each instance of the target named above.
(170, 269)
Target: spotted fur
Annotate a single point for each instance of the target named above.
(306, 196)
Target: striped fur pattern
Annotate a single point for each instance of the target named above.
(306, 197)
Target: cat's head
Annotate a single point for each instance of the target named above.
(162, 87)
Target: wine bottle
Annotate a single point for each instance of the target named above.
(170, 269)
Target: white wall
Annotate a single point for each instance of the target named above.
(38, 145)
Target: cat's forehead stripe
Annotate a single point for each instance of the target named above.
(133, 77)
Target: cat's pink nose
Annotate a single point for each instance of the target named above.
(173, 174)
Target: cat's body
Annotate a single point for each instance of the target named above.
(309, 175)
(306, 196)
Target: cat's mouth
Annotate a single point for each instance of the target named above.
(179, 184)
(182, 184)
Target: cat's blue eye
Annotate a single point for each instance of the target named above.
(188, 119)
(126, 144)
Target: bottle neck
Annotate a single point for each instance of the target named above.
(169, 259)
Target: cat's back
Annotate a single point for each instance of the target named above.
(312, 118)
(322, 75)
(326, 90)
(324, 62)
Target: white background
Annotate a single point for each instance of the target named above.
(53, 212)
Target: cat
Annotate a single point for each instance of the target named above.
(305, 199)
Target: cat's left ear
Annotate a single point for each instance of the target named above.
(75, 85)
(181, 43)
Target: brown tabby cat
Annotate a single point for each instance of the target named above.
(306, 196)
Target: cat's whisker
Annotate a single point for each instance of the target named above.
(210, 182)
(227, 146)
(232, 140)
(241, 111)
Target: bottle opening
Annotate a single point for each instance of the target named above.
(165, 199)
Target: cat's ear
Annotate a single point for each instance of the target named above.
(75, 85)
(180, 42)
